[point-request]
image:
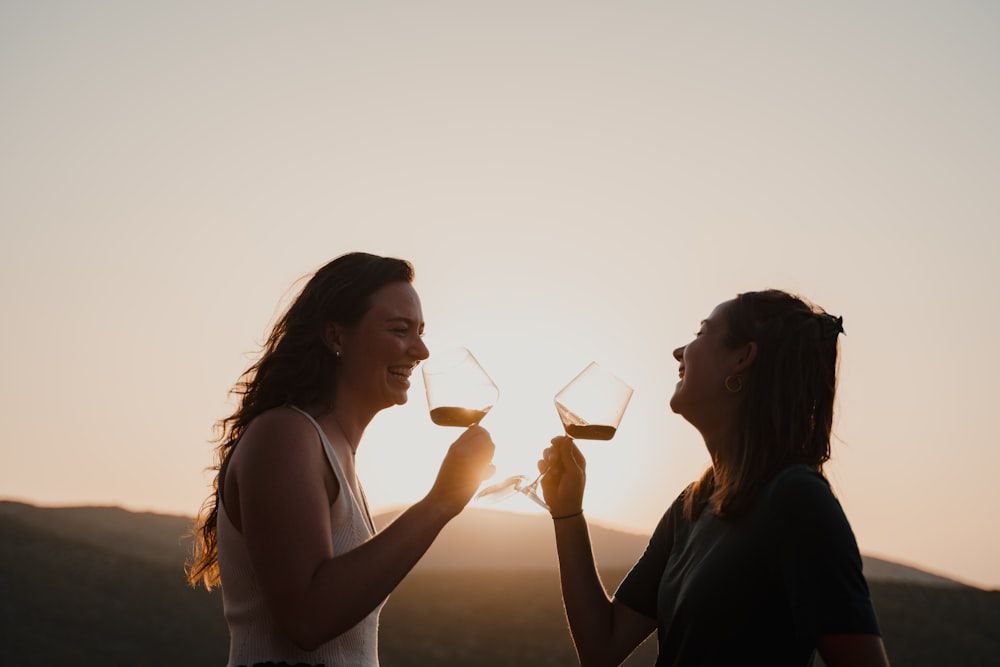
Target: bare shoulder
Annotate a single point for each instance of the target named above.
(276, 464)
(281, 422)
(279, 435)
(285, 489)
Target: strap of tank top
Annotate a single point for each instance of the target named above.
(361, 504)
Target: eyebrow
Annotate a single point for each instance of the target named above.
(401, 318)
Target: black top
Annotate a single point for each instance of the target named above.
(757, 590)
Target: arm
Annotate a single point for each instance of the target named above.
(604, 632)
(852, 651)
(284, 500)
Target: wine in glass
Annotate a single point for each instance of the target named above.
(459, 392)
(592, 404)
(590, 408)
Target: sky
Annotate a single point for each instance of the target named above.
(573, 182)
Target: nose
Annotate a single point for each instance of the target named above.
(419, 350)
(679, 353)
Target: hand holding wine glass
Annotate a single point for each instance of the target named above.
(464, 468)
(460, 393)
(563, 478)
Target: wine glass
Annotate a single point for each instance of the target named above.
(459, 392)
(590, 408)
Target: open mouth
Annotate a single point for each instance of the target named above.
(401, 371)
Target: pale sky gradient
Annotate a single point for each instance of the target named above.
(573, 182)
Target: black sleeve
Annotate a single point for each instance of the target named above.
(638, 590)
(820, 559)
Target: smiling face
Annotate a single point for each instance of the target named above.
(705, 363)
(378, 354)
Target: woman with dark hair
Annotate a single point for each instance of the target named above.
(754, 563)
(287, 531)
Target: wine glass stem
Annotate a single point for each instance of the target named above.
(531, 490)
(534, 484)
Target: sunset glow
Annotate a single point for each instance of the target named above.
(572, 183)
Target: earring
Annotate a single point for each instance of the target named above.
(336, 353)
(734, 383)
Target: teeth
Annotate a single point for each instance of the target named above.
(403, 371)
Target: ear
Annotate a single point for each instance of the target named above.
(331, 336)
(747, 353)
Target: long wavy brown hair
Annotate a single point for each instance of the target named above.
(295, 367)
(786, 416)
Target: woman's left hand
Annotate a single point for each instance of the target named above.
(466, 465)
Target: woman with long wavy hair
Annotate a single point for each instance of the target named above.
(287, 531)
(754, 563)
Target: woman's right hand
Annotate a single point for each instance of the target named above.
(464, 468)
(565, 476)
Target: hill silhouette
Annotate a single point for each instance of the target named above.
(495, 540)
(105, 586)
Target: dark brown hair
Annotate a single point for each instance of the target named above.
(786, 416)
(295, 368)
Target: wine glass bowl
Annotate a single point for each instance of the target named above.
(459, 392)
(592, 404)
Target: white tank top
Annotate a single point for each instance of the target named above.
(254, 636)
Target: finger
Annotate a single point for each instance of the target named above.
(570, 454)
(559, 451)
(473, 434)
(563, 450)
(475, 442)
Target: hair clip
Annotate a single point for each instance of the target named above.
(830, 326)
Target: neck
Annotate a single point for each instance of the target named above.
(343, 421)
(349, 428)
(351, 419)
(721, 440)
(719, 449)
